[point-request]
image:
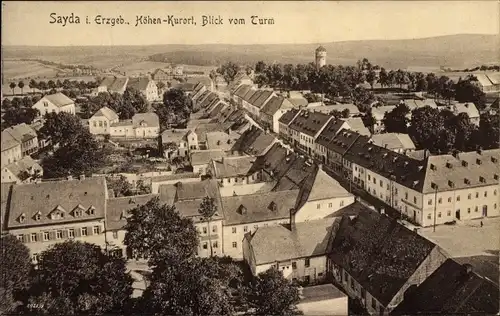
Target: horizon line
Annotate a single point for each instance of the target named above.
(229, 44)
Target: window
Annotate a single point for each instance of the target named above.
(33, 237)
(374, 180)
(381, 184)
(318, 206)
(429, 202)
(206, 231)
(374, 303)
(294, 265)
(214, 229)
(439, 214)
(307, 262)
(495, 192)
(19, 237)
(115, 235)
(352, 284)
(245, 229)
(495, 206)
(100, 123)
(71, 233)
(477, 195)
(458, 198)
(205, 245)
(235, 244)
(46, 236)
(406, 195)
(469, 196)
(34, 257)
(485, 193)
(449, 200)
(341, 203)
(415, 199)
(429, 216)
(95, 124)
(84, 231)
(95, 230)
(234, 230)
(369, 177)
(476, 209)
(440, 200)
(215, 244)
(330, 204)
(468, 210)
(448, 213)
(59, 234)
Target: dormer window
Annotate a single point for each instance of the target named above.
(495, 176)
(38, 216)
(494, 160)
(242, 209)
(449, 165)
(91, 210)
(478, 161)
(434, 186)
(464, 163)
(466, 181)
(272, 206)
(433, 167)
(22, 218)
(451, 184)
(482, 179)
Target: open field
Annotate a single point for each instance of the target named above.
(468, 242)
(16, 69)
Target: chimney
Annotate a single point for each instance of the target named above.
(320, 166)
(292, 219)
(82, 177)
(69, 177)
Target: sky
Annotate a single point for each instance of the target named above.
(28, 23)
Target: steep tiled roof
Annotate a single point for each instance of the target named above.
(25, 164)
(293, 172)
(274, 104)
(328, 133)
(59, 99)
(279, 243)
(202, 96)
(229, 167)
(254, 142)
(255, 96)
(139, 84)
(117, 209)
(253, 208)
(378, 252)
(272, 159)
(211, 97)
(356, 124)
(8, 141)
(451, 289)
(242, 90)
(107, 113)
(263, 97)
(249, 94)
(47, 197)
(343, 141)
(203, 157)
(21, 132)
(320, 186)
(173, 135)
(150, 119)
(309, 123)
(393, 141)
(288, 116)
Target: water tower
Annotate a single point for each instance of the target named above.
(320, 57)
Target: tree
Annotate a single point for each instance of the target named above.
(15, 268)
(120, 186)
(228, 71)
(369, 120)
(466, 91)
(489, 130)
(33, 84)
(336, 114)
(207, 210)
(371, 77)
(78, 278)
(426, 126)
(82, 155)
(260, 67)
(383, 78)
(14, 116)
(158, 232)
(63, 128)
(396, 121)
(272, 294)
(176, 107)
(198, 286)
(12, 85)
(21, 86)
(345, 113)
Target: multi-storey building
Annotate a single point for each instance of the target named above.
(272, 111)
(305, 128)
(100, 122)
(55, 103)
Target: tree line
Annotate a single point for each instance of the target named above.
(57, 84)
(126, 105)
(443, 132)
(75, 278)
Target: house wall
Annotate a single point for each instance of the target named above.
(147, 132)
(216, 232)
(8, 176)
(122, 131)
(44, 106)
(100, 125)
(276, 117)
(29, 147)
(11, 155)
(233, 235)
(320, 209)
(242, 180)
(151, 92)
(316, 271)
(40, 245)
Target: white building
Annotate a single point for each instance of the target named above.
(100, 123)
(55, 103)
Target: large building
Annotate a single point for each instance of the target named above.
(320, 57)
(55, 103)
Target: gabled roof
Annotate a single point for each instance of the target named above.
(242, 90)
(220, 140)
(275, 104)
(203, 157)
(288, 116)
(210, 97)
(150, 119)
(452, 289)
(378, 253)
(249, 94)
(254, 142)
(21, 132)
(25, 164)
(230, 167)
(393, 141)
(262, 98)
(202, 130)
(118, 207)
(272, 159)
(468, 108)
(44, 197)
(343, 141)
(293, 172)
(59, 99)
(173, 135)
(309, 123)
(202, 96)
(255, 96)
(328, 133)
(253, 208)
(319, 186)
(139, 84)
(356, 124)
(279, 243)
(107, 113)
(8, 141)
(115, 84)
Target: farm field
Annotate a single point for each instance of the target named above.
(143, 67)
(16, 69)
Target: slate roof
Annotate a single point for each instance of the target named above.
(150, 119)
(274, 104)
(451, 289)
(393, 141)
(328, 133)
(319, 186)
(203, 157)
(378, 253)
(46, 197)
(175, 176)
(255, 96)
(139, 84)
(220, 140)
(309, 123)
(321, 292)
(263, 97)
(293, 172)
(356, 124)
(229, 167)
(198, 87)
(20, 132)
(59, 99)
(278, 243)
(254, 142)
(249, 94)
(242, 90)
(343, 141)
(107, 113)
(117, 209)
(288, 116)
(251, 208)
(494, 77)
(25, 164)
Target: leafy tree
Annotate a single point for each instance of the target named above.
(15, 268)
(82, 155)
(12, 85)
(371, 77)
(345, 113)
(466, 91)
(489, 130)
(51, 84)
(426, 126)
(368, 120)
(33, 84)
(383, 78)
(396, 121)
(78, 278)
(63, 128)
(260, 67)
(158, 232)
(207, 210)
(228, 71)
(21, 86)
(272, 294)
(311, 97)
(336, 114)
(119, 185)
(176, 107)
(14, 116)
(142, 188)
(198, 286)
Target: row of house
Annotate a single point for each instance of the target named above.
(145, 85)
(142, 125)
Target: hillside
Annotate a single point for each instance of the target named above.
(461, 50)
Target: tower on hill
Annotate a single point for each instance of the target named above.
(320, 57)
